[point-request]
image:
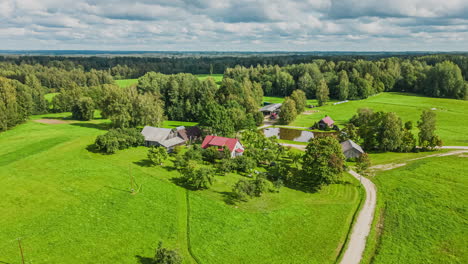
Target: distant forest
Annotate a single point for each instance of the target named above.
(167, 89)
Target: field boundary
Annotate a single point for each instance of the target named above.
(362, 196)
(189, 246)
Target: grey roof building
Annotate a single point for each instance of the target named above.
(351, 149)
(168, 138)
(271, 108)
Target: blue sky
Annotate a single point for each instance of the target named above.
(235, 25)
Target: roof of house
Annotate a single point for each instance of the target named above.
(172, 142)
(349, 144)
(220, 142)
(156, 134)
(327, 120)
(270, 108)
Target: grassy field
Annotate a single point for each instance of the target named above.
(452, 117)
(126, 82)
(50, 96)
(421, 214)
(71, 205)
(276, 100)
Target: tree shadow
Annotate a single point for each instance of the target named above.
(99, 126)
(229, 198)
(117, 189)
(3, 262)
(58, 117)
(144, 163)
(179, 181)
(144, 260)
(92, 148)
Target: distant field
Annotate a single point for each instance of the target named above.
(452, 115)
(126, 82)
(421, 213)
(276, 100)
(50, 96)
(71, 205)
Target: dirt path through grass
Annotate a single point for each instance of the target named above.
(361, 229)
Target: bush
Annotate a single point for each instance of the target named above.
(210, 154)
(194, 153)
(166, 256)
(245, 189)
(226, 166)
(197, 178)
(244, 163)
(83, 109)
(120, 138)
(157, 155)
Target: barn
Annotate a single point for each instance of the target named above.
(351, 149)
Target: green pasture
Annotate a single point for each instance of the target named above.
(421, 214)
(126, 82)
(452, 115)
(69, 204)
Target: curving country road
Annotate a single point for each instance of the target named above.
(361, 229)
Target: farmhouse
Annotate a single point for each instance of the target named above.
(351, 149)
(169, 138)
(270, 109)
(233, 144)
(326, 122)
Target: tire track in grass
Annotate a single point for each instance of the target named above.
(189, 247)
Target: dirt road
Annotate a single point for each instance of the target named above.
(361, 229)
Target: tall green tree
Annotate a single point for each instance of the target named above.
(300, 99)
(323, 162)
(322, 93)
(83, 109)
(427, 126)
(343, 85)
(157, 155)
(288, 111)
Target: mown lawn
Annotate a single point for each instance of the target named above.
(452, 115)
(71, 205)
(421, 214)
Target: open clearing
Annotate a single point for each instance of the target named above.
(421, 213)
(452, 115)
(71, 205)
(126, 82)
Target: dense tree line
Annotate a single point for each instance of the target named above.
(18, 101)
(324, 79)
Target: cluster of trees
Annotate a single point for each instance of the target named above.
(221, 110)
(385, 131)
(119, 138)
(292, 106)
(18, 101)
(323, 79)
(55, 76)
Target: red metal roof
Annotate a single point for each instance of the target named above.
(219, 142)
(327, 120)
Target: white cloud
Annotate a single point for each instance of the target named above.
(234, 24)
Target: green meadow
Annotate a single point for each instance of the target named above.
(126, 82)
(69, 204)
(452, 115)
(421, 214)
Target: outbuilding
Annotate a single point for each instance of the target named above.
(351, 149)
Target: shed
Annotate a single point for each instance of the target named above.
(351, 149)
(271, 108)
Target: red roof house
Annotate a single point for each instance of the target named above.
(327, 121)
(233, 144)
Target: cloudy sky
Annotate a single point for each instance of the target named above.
(243, 25)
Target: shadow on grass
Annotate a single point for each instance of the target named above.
(92, 148)
(144, 260)
(3, 262)
(100, 126)
(229, 198)
(144, 163)
(117, 189)
(58, 117)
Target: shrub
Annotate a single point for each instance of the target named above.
(83, 109)
(157, 155)
(198, 178)
(166, 256)
(120, 138)
(210, 154)
(244, 163)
